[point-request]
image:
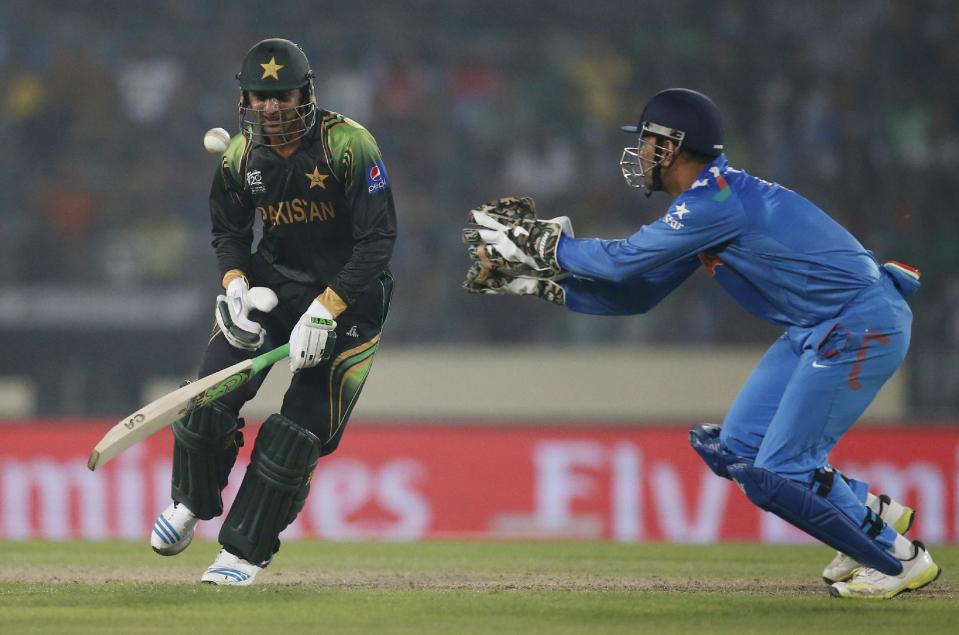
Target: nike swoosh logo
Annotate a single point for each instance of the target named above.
(818, 365)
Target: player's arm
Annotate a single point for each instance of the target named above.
(697, 227)
(360, 168)
(231, 215)
(636, 295)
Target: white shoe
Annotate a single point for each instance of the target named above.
(868, 583)
(173, 530)
(230, 570)
(899, 517)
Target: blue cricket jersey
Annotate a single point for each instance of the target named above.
(777, 254)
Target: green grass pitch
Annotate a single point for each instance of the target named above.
(456, 588)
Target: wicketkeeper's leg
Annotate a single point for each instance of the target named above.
(828, 390)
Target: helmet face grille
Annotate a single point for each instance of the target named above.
(634, 167)
(296, 124)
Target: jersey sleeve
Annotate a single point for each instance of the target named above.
(638, 294)
(231, 211)
(373, 214)
(691, 225)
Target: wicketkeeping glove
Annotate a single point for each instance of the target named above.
(480, 279)
(233, 310)
(510, 238)
(313, 337)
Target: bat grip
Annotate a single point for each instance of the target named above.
(268, 359)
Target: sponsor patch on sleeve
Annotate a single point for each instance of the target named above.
(376, 179)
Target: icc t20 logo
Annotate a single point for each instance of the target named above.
(254, 180)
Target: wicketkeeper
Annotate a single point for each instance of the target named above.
(847, 325)
(318, 278)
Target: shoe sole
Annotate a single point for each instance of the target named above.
(915, 585)
(842, 579)
(167, 551)
(164, 552)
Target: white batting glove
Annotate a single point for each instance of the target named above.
(233, 310)
(313, 337)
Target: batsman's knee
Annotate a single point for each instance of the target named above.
(704, 439)
(274, 489)
(205, 447)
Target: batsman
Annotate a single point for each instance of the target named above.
(318, 278)
(845, 318)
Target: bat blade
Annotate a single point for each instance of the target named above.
(160, 413)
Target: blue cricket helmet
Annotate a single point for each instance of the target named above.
(686, 115)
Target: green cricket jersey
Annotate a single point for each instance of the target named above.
(327, 210)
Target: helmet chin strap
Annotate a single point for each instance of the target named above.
(657, 181)
(657, 172)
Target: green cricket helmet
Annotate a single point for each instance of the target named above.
(277, 65)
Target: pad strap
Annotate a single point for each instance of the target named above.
(822, 481)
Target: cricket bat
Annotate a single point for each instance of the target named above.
(182, 401)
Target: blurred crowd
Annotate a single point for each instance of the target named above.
(106, 180)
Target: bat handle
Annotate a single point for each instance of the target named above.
(268, 359)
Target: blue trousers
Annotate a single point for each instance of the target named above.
(813, 384)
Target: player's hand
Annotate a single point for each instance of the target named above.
(233, 310)
(313, 337)
(480, 279)
(510, 238)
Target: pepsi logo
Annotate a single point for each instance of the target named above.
(376, 179)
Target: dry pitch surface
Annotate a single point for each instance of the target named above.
(446, 587)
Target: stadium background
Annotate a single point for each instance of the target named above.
(107, 277)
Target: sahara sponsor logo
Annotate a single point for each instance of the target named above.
(376, 179)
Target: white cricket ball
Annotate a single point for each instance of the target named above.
(216, 140)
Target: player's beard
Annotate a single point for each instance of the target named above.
(290, 124)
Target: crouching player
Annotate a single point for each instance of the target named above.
(784, 260)
(320, 280)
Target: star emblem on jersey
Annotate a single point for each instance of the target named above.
(271, 69)
(316, 179)
(680, 211)
(699, 183)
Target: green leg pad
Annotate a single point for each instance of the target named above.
(273, 491)
(205, 446)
